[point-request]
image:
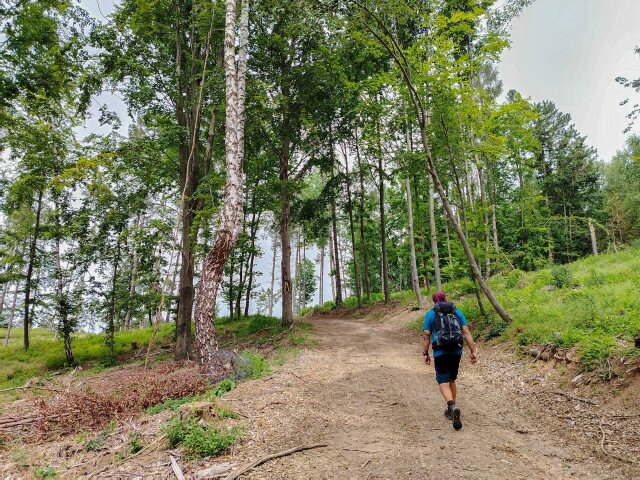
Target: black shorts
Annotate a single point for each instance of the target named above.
(446, 367)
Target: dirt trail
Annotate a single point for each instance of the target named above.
(366, 393)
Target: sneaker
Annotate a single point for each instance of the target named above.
(455, 417)
(447, 414)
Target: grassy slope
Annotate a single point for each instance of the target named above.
(47, 354)
(599, 314)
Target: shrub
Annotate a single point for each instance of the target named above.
(561, 276)
(496, 328)
(200, 440)
(207, 441)
(135, 443)
(513, 278)
(223, 387)
(256, 366)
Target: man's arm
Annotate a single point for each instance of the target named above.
(470, 343)
(426, 343)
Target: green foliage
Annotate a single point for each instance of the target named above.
(172, 404)
(255, 365)
(45, 472)
(135, 443)
(589, 318)
(47, 354)
(561, 276)
(223, 387)
(200, 440)
(512, 279)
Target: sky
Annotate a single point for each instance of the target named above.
(566, 51)
(570, 52)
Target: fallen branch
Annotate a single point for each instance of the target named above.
(579, 399)
(234, 475)
(27, 387)
(176, 468)
(625, 460)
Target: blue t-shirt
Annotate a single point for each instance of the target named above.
(429, 324)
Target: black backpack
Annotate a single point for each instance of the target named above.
(448, 326)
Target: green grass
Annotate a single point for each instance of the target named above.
(596, 309)
(46, 354)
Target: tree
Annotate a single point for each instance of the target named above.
(230, 221)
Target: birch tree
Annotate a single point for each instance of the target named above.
(230, 222)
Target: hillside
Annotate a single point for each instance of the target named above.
(592, 305)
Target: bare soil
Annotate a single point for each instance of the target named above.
(366, 393)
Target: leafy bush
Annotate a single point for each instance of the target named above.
(223, 387)
(205, 441)
(561, 276)
(135, 443)
(496, 328)
(256, 366)
(200, 440)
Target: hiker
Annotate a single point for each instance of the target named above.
(446, 328)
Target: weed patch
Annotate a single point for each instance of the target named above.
(200, 440)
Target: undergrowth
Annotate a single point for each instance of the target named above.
(200, 440)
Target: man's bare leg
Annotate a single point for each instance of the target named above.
(454, 390)
(445, 390)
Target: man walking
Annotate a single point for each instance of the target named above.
(445, 327)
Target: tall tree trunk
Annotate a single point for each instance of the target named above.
(134, 273)
(230, 224)
(11, 316)
(111, 315)
(383, 228)
(32, 259)
(415, 283)
(62, 298)
(296, 278)
(286, 289)
(494, 226)
(167, 317)
(332, 268)
(273, 274)
(231, 296)
(2, 297)
(321, 284)
(363, 240)
(594, 241)
(354, 249)
(434, 240)
(336, 255)
(485, 213)
(255, 223)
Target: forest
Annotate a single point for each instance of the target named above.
(253, 202)
(366, 142)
